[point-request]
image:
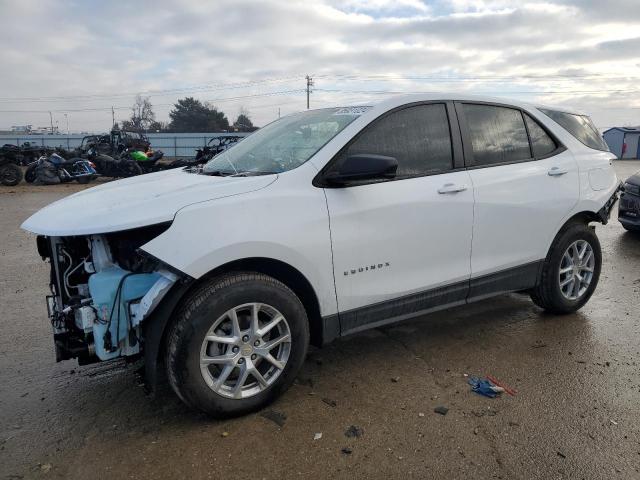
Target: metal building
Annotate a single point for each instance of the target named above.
(623, 141)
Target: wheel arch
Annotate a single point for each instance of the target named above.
(290, 276)
(157, 325)
(585, 217)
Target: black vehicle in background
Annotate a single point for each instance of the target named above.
(114, 143)
(629, 207)
(23, 154)
(115, 167)
(214, 146)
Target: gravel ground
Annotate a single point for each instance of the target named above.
(576, 413)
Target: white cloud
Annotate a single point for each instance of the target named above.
(69, 48)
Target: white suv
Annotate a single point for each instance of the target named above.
(321, 224)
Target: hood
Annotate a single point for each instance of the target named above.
(136, 202)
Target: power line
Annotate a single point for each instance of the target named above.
(112, 108)
(193, 89)
(503, 92)
(463, 78)
(347, 77)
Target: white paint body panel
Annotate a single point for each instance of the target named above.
(287, 221)
(426, 237)
(135, 202)
(517, 210)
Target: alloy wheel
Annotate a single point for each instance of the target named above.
(576, 269)
(245, 350)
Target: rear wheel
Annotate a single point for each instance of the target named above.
(237, 344)
(570, 272)
(10, 174)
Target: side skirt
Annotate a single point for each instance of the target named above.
(410, 306)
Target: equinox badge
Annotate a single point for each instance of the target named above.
(377, 266)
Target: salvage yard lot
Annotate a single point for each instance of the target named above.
(576, 413)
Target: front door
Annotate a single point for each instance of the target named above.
(402, 246)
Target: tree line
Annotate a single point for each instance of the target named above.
(188, 115)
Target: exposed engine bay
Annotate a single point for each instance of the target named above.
(102, 288)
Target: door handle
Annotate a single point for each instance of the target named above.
(557, 171)
(452, 188)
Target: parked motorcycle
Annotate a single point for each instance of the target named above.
(54, 169)
(109, 166)
(147, 161)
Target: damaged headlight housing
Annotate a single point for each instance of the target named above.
(102, 288)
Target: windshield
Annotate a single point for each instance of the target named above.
(284, 144)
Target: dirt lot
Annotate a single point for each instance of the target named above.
(576, 413)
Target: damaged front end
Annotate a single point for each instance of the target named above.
(102, 288)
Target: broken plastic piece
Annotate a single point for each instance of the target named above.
(510, 391)
(482, 387)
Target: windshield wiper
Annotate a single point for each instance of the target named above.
(217, 173)
(251, 173)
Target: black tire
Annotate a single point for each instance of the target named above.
(630, 229)
(30, 175)
(130, 168)
(10, 174)
(197, 314)
(547, 294)
(84, 180)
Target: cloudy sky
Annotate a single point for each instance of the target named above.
(83, 57)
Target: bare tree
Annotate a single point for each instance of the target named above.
(142, 116)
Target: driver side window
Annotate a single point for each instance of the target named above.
(417, 137)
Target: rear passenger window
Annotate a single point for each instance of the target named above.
(418, 137)
(580, 126)
(498, 134)
(541, 143)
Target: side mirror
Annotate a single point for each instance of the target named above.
(363, 166)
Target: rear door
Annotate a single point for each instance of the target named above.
(403, 245)
(525, 183)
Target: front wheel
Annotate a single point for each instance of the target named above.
(570, 272)
(237, 344)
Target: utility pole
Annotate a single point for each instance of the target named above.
(113, 118)
(66, 117)
(309, 85)
(51, 120)
(278, 112)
